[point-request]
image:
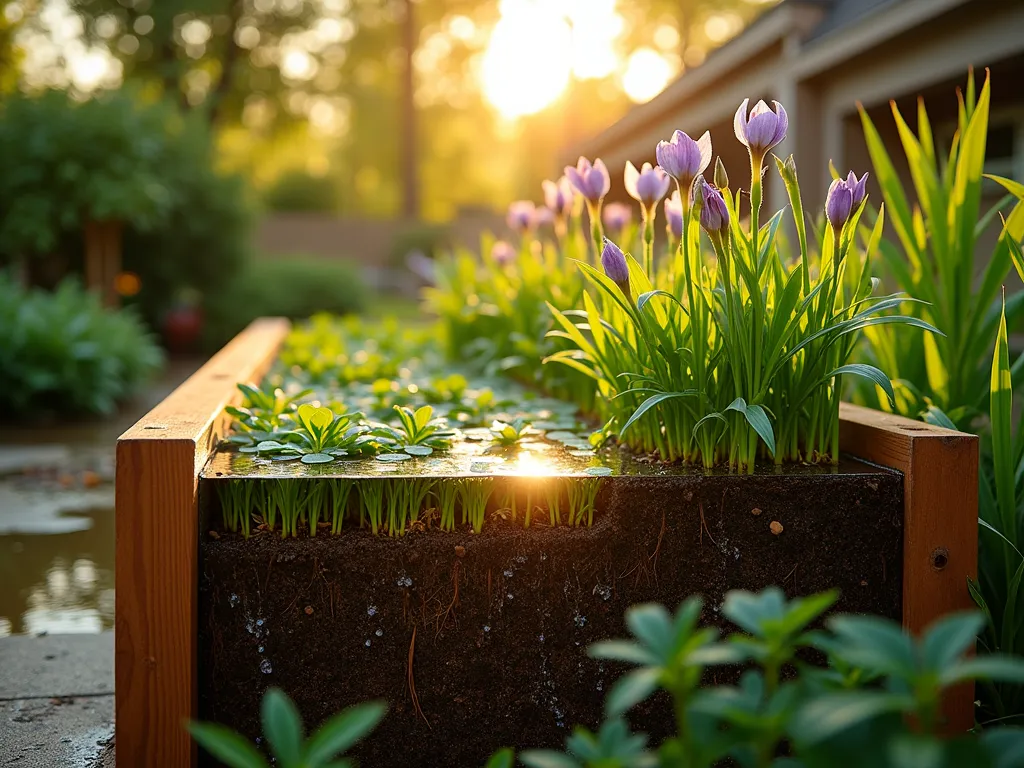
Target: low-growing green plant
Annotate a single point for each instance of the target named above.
(265, 414)
(509, 434)
(64, 353)
(284, 733)
(877, 702)
(420, 432)
(320, 436)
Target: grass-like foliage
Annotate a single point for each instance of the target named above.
(939, 224)
(730, 357)
(396, 506)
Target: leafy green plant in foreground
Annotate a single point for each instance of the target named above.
(877, 703)
(282, 727)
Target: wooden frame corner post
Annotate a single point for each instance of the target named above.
(156, 572)
(940, 519)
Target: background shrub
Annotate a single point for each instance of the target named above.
(63, 353)
(286, 286)
(120, 157)
(301, 191)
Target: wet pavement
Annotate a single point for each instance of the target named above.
(57, 593)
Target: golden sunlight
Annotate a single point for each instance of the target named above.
(537, 45)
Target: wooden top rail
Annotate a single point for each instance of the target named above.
(157, 520)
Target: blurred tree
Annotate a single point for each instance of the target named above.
(326, 85)
(118, 158)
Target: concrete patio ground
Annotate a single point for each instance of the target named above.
(57, 701)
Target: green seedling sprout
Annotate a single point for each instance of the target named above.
(446, 492)
(418, 428)
(474, 494)
(509, 434)
(340, 491)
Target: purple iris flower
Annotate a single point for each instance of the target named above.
(613, 260)
(674, 215)
(684, 159)
(503, 253)
(859, 187)
(558, 196)
(617, 216)
(763, 129)
(591, 181)
(521, 216)
(714, 214)
(648, 185)
(844, 196)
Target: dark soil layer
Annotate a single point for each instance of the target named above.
(489, 631)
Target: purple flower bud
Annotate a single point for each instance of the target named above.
(521, 216)
(591, 181)
(503, 253)
(647, 185)
(714, 214)
(858, 187)
(617, 216)
(543, 217)
(613, 260)
(763, 129)
(674, 215)
(839, 204)
(558, 196)
(684, 159)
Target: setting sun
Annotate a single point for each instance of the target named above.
(537, 47)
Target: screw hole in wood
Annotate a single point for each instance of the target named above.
(940, 558)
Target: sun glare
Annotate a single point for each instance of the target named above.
(537, 45)
(526, 64)
(647, 73)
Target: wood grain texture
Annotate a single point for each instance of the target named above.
(157, 518)
(940, 518)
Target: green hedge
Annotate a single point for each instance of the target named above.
(286, 286)
(63, 353)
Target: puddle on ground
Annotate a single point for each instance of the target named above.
(61, 582)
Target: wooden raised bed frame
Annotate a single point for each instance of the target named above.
(157, 507)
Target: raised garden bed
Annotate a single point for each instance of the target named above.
(477, 639)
